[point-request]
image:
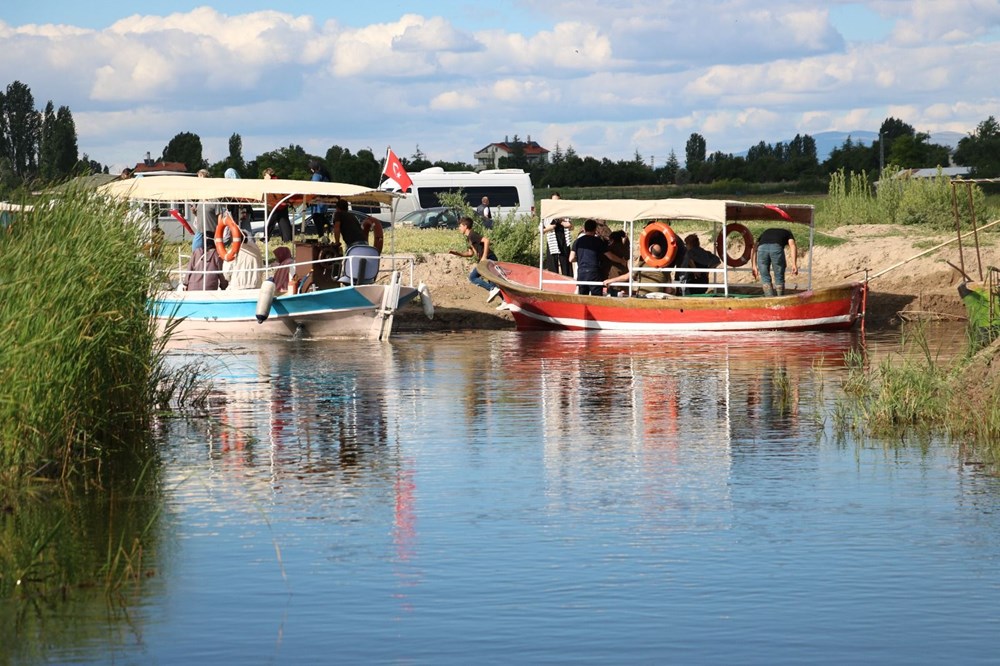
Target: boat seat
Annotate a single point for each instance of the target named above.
(361, 263)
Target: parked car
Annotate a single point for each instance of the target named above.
(431, 218)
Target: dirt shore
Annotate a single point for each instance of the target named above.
(923, 287)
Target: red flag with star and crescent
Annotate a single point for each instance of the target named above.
(394, 169)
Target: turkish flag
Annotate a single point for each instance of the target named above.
(394, 169)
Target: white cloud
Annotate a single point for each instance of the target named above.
(615, 77)
(454, 100)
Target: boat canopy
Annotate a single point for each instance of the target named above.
(710, 210)
(186, 188)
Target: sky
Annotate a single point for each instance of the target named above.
(448, 77)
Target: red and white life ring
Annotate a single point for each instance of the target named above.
(226, 221)
(648, 238)
(722, 250)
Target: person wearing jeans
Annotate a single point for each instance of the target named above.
(479, 248)
(769, 255)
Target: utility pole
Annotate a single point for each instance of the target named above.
(881, 153)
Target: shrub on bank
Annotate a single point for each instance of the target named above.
(930, 202)
(916, 393)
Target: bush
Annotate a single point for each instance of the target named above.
(910, 201)
(512, 238)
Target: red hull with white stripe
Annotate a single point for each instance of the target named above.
(558, 306)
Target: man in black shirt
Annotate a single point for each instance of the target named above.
(769, 254)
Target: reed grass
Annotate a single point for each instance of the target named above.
(908, 392)
(80, 359)
(84, 380)
(916, 395)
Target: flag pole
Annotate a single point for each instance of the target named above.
(385, 160)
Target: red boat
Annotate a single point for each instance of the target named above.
(539, 299)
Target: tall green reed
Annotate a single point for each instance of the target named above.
(80, 359)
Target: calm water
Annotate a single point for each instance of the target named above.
(555, 498)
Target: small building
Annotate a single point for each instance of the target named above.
(952, 173)
(489, 157)
(160, 168)
(149, 167)
(947, 172)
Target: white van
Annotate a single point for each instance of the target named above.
(509, 190)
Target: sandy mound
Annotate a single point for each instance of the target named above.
(923, 287)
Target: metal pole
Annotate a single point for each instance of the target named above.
(975, 232)
(958, 228)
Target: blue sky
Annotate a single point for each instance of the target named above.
(607, 77)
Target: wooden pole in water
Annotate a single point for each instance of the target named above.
(936, 247)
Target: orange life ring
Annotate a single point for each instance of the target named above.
(723, 251)
(226, 220)
(646, 239)
(378, 240)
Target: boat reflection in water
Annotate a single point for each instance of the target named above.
(680, 402)
(298, 408)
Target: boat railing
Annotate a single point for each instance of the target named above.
(387, 264)
(632, 285)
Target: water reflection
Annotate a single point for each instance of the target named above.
(655, 388)
(556, 497)
(297, 409)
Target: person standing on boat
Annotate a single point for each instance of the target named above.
(320, 216)
(586, 253)
(479, 248)
(347, 226)
(279, 212)
(769, 254)
(558, 238)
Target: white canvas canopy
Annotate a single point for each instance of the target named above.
(186, 188)
(720, 211)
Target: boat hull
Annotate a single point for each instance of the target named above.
(348, 312)
(559, 307)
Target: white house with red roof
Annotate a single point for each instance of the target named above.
(489, 157)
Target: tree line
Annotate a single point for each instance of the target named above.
(37, 145)
(793, 162)
(42, 146)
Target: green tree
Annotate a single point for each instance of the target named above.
(980, 151)
(851, 157)
(291, 162)
(67, 151)
(46, 148)
(185, 148)
(670, 169)
(694, 152)
(20, 130)
(235, 159)
(914, 151)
